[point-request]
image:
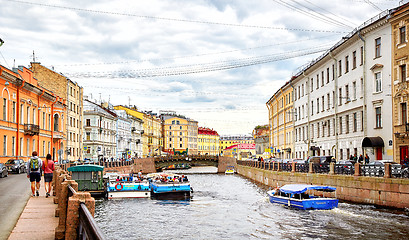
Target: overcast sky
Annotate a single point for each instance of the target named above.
(215, 61)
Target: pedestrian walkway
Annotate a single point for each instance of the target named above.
(38, 219)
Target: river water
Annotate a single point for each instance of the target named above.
(233, 207)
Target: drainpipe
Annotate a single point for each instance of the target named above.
(52, 123)
(270, 121)
(292, 112)
(364, 111)
(336, 104)
(38, 121)
(18, 114)
(308, 113)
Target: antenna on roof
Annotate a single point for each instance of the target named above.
(34, 57)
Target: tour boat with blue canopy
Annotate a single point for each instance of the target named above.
(169, 186)
(126, 186)
(298, 196)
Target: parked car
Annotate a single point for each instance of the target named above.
(377, 168)
(16, 165)
(344, 167)
(321, 159)
(3, 170)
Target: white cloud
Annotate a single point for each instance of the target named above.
(99, 43)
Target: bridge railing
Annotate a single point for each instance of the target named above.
(387, 170)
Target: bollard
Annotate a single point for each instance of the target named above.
(60, 230)
(310, 170)
(293, 167)
(72, 222)
(331, 168)
(357, 169)
(387, 170)
(278, 167)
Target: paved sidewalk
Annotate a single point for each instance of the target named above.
(38, 219)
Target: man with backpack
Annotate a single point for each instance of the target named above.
(34, 173)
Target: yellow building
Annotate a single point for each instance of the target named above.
(400, 82)
(228, 141)
(175, 133)
(152, 142)
(280, 112)
(208, 142)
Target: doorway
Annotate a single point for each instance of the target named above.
(403, 153)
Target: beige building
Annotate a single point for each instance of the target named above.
(179, 133)
(228, 141)
(73, 93)
(400, 84)
(152, 141)
(281, 115)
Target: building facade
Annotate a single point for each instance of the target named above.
(99, 132)
(152, 134)
(261, 140)
(208, 142)
(32, 117)
(281, 116)
(175, 133)
(342, 99)
(400, 84)
(73, 94)
(230, 140)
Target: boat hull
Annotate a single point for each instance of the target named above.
(128, 190)
(170, 190)
(306, 204)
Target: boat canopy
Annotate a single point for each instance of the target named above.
(300, 188)
(86, 168)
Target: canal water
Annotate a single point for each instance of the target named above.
(233, 207)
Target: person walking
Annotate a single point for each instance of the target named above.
(48, 168)
(366, 159)
(361, 159)
(34, 173)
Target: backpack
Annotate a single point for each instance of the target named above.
(34, 164)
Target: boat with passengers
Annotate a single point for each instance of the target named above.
(169, 186)
(127, 186)
(301, 196)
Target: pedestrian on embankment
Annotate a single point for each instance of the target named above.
(48, 168)
(34, 173)
(366, 159)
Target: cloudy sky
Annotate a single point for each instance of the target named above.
(215, 61)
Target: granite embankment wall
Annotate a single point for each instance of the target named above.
(386, 192)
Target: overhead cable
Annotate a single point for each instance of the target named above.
(173, 19)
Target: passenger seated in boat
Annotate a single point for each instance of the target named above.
(185, 178)
(305, 196)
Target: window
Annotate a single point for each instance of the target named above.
(340, 125)
(302, 90)
(347, 93)
(4, 145)
(312, 107)
(333, 72)
(402, 34)
(354, 90)
(355, 122)
(21, 146)
(377, 47)
(318, 130)
(327, 75)
(312, 85)
(333, 99)
(13, 146)
(328, 101)
(312, 131)
(339, 68)
(362, 55)
(328, 127)
(44, 148)
(318, 81)
(353, 59)
(318, 105)
(322, 78)
(347, 124)
(378, 117)
(322, 103)
(4, 109)
(362, 121)
(378, 82)
(404, 115)
(14, 112)
(28, 148)
(346, 64)
(402, 69)
(88, 134)
(340, 96)
(341, 153)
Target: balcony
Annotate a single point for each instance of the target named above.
(31, 129)
(58, 135)
(401, 131)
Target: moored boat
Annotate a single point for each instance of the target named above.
(169, 186)
(127, 187)
(229, 170)
(298, 196)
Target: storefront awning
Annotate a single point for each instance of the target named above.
(372, 142)
(313, 148)
(287, 149)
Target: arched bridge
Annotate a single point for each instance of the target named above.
(148, 165)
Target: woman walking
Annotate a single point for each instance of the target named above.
(48, 168)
